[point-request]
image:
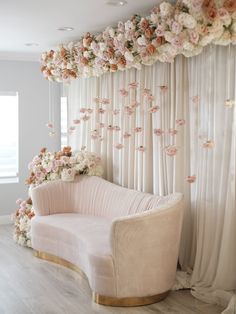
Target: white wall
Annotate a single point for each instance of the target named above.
(25, 78)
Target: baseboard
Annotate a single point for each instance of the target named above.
(5, 220)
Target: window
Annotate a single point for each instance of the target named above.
(9, 136)
(64, 139)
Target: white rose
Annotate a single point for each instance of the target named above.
(165, 9)
(54, 176)
(111, 32)
(188, 46)
(205, 40)
(168, 36)
(187, 20)
(102, 46)
(128, 56)
(86, 54)
(194, 52)
(142, 41)
(224, 40)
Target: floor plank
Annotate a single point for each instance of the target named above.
(29, 285)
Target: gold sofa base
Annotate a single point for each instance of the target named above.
(101, 299)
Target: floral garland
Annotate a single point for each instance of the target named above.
(170, 30)
(47, 167)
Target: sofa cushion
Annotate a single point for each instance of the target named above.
(80, 239)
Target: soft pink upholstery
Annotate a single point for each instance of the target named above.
(125, 241)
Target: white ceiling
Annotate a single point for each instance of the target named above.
(24, 21)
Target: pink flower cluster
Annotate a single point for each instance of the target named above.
(48, 166)
(183, 28)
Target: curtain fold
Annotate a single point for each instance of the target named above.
(173, 130)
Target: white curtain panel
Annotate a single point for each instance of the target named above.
(179, 136)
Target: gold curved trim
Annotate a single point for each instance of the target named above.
(131, 301)
(101, 299)
(57, 260)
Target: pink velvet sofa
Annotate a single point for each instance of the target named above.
(125, 241)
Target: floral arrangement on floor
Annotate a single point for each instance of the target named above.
(170, 30)
(46, 167)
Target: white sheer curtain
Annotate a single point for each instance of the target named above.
(191, 90)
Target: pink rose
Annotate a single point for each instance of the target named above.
(124, 92)
(208, 144)
(138, 129)
(194, 36)
(153, 109)
(171, 150)
(172, 132)
(141, 148)
(191, 179)
(158, 132)
(180, 121)
(119, 146)
(126, 135)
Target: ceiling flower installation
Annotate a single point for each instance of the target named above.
(170, 30)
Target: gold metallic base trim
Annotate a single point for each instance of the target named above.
(101, 299)
(132, 301)
(57, 260)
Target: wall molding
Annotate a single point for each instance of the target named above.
(5, 220)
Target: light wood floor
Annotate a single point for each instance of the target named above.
(29, 285)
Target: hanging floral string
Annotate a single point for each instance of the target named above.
(170, 30)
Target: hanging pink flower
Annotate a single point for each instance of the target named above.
(172, 132)
(208, 144)
(101, 125)
(116, 128)
(153, 109)
(163, 88)
(119, 146)
(141, 148)
(116, 111)
(110, 128)
(126, 135)
(94, 133)
(96, 100)
(124, 92)
(191, 179)
(83, 110)
(134, 104)
(85, 118)
(150, 97)
(129, 110)
(101, 110)
(89, 111)
(180, 122)
(76, 121)
(138, 129)
(158, 132)
(195, 99)
(171, 150)
(133, 85)
(105, 101)
(146, 92)
(49, 125)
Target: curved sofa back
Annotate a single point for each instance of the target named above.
(92, 196)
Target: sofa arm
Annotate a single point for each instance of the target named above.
(52, 198)
(145, 250)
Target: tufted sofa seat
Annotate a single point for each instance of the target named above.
(125, 241)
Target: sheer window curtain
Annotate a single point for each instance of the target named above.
(193, 90)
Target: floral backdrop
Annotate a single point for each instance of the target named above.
(170, 30)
